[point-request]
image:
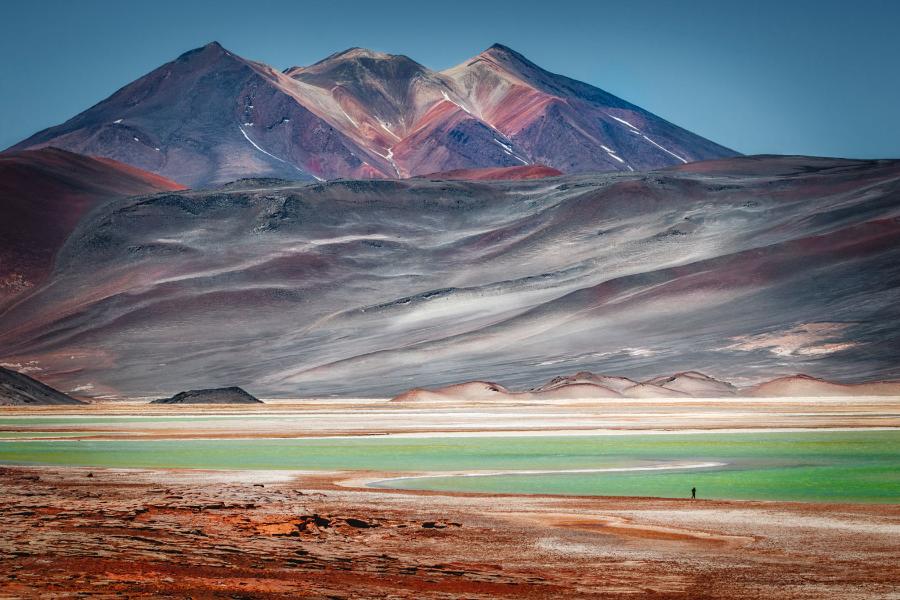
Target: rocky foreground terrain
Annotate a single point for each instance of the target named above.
(119, 533)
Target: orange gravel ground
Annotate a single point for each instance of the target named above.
(69, 532)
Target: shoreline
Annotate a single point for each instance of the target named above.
(98, 436)
(439, 474)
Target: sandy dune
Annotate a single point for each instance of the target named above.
(803, 385)
(585, 385)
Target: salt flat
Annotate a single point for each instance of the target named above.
(325, 417)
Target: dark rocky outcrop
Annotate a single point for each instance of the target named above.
(226, 395)
(18, 389)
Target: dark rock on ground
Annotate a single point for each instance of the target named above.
(227, 395)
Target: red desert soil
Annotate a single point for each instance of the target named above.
(178, 534)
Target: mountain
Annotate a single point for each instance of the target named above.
(746, 268)
(210, 117)
(401, 111)
(43, 195)
(567, 124)
(18, 389)
(227, 395)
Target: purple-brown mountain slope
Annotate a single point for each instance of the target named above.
(43, 196)
(497, 173)
(743, 269)
(211, 116)
(567, 124)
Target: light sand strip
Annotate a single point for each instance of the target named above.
(101, 436)
(703, 465)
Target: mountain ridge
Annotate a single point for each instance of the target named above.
(210, 116)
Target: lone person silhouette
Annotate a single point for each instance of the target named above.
(693, 493)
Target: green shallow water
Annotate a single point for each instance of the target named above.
(857, 466)
(879, 484)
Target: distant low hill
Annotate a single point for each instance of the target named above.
(690, 384)
(804, 385)
(18, 389)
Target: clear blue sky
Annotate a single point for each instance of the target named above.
(791, 77)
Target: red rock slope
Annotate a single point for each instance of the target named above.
(43, 195)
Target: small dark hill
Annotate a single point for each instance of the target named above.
(227, 395)
(18, 389)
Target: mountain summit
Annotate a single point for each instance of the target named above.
(210, 116)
